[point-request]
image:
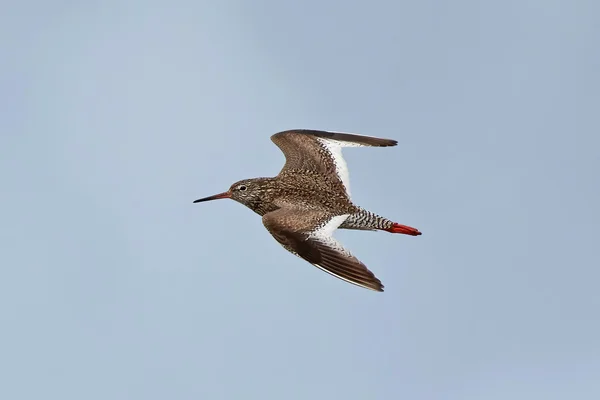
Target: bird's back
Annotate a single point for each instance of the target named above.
(312, 190)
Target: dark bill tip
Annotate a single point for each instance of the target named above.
(224, 195)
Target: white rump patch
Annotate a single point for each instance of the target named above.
(334, 147)
(325, 233)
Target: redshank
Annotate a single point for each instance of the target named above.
(310, 198)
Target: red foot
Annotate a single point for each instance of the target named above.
(407, 230)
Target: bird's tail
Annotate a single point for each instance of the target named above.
(366, 220)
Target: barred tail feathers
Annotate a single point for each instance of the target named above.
(366, 220)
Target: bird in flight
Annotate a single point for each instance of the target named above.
(310, 198)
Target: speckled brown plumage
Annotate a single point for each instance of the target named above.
(309, 199)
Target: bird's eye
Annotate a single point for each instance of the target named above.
(242, 187)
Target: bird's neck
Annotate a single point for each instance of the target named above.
(265, 202)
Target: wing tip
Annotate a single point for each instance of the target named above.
(378, 289)
(342, 136)
(368, 280)
(375, 286)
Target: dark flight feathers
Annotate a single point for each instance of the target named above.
(283, 225)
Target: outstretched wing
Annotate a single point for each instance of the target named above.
(321, 151)
(308, 234)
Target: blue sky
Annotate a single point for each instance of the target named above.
(117, 114)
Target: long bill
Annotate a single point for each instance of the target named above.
(224, 195)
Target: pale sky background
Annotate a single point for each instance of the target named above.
(116, 115)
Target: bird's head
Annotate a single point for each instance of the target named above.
(249, 192)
